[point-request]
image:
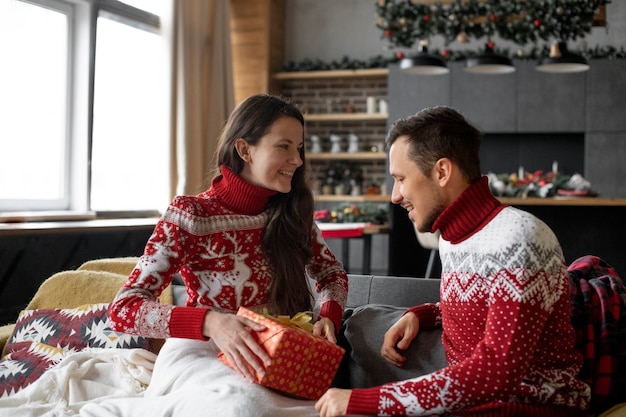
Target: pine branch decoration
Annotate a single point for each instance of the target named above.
(405, 22)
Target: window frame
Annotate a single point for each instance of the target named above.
(82, 27)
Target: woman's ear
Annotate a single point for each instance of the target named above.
(243, 149)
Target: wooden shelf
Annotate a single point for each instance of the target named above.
(365, 156)
(301, 75)
(374, 198)
(368, 82)
(345, 117)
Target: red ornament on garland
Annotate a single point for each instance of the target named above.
(537, 23)
(445, 52)
(491, 44)
(388, 33)
(493, 18)
(400, 55)
(426, 18)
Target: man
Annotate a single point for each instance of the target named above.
(504, 304)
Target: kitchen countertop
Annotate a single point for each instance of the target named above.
(563, 201)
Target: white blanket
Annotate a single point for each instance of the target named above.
(187, 379)
(81, 377)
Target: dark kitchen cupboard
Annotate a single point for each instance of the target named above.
(549, 102)
(488, 100)
(606, 92)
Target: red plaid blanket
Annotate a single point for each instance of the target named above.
(598, 301)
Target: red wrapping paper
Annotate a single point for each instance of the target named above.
(302, 365)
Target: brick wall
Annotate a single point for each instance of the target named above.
(342, 95)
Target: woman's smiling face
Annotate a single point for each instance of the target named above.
(272, 162)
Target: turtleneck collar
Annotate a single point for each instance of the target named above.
(238, 194)
(469, 213)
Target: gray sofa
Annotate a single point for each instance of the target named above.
(374, 304)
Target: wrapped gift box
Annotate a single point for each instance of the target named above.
(302, 365)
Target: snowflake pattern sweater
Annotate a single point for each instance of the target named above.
(214, 241)
(505, 310)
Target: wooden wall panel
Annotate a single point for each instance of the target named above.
(277, 40)
(257, 39)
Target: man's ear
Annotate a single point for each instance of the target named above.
(442, 171)
(243, 149)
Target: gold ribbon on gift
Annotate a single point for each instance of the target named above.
(302, 320)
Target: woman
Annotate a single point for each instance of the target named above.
(249, 240)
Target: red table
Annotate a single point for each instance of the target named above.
(347, 231)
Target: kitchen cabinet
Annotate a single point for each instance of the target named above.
(526, 101)
(549, 102)
(488, 100)
(409, 93)
(604, 162)
(605, 138)
(606, 89)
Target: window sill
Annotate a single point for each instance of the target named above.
(43, 216)
(54, 222)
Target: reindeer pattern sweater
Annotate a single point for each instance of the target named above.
(505, 311)
(214, 241)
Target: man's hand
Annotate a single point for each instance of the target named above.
(399, 337)
(232, 334)
(325, 328)
(333, 403)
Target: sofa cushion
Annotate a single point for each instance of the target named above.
(42, 337)
(72, 329)
(397, 291)
(403, 291)
(121, 266)
(70, 289)
(362, 337)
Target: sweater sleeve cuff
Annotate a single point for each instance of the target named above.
(187, 322)
(428, 315)
(334, 312)
(364, 401)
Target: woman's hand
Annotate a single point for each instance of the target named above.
(233, 335)
(399, 336)
(325, 328)
(334, 402)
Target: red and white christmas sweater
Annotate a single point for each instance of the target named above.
(505, 311)
(213, 240)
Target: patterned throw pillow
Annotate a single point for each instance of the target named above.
(42, 338)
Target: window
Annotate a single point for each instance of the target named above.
(33, 105)
(129, 165)
(83, 109)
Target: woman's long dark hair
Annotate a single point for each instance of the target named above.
(287, 239)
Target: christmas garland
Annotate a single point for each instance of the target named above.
(405, 22)
(379, 61)
(345, 63)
